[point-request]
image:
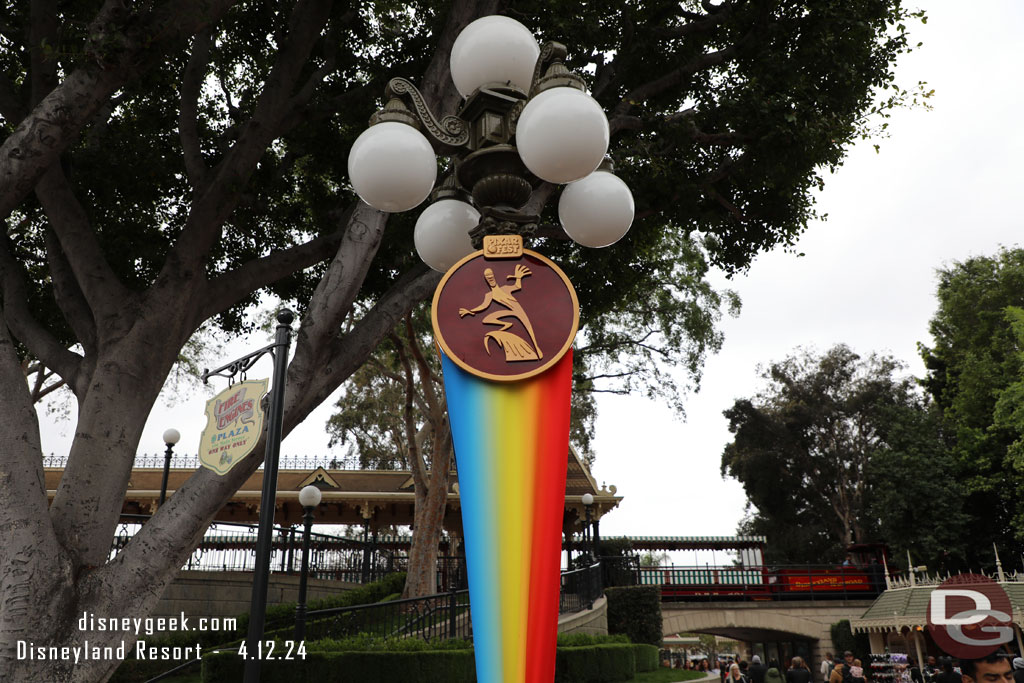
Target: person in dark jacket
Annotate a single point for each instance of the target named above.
(756, 670)
(1018, 670)
(946, 673)
(798, 672)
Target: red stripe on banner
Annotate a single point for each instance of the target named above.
(549, 506)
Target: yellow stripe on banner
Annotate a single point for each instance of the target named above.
(515, 445)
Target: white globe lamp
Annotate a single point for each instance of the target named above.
(309, 496)
(392, 167)
(596, 211)
(562, 135)
(172, 436)
(493, 49)
(442, 233)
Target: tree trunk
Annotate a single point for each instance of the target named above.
(427, 526)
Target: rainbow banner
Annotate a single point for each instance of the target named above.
(511, 442)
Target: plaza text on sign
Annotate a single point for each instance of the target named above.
(234, 425)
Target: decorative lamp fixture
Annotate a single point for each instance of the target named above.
(588, 499)
(493, 50)
(392, 167)
(598, 210)
(442, 233)
(526, 119)
(562, 135)
(309, 496)
(172, 436)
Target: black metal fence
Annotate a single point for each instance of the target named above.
(191, 462)
(231, 546)
(434, 617)
(580, 588)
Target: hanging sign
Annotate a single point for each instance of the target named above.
(234, 424)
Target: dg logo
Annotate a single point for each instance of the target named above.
(970, 616)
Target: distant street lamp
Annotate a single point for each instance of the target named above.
(309, 498)
(171, 437)
(588, 502)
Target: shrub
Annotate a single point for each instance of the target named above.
(646, 657)
(454, 666)
(636, 612)
(595, 663)
(843, 639)
(364, 595)
(370, 660)
(582, 639)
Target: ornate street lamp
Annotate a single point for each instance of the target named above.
(525, 119)
(309, 498)
(171, 437)
(588, 538)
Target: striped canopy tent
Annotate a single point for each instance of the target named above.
(901, 613)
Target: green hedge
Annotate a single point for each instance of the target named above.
(646, 657)
(595, 663)
(636, 612)
(430, 666)
(364, 595)
(413, 661)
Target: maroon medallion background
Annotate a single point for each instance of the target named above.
(544, 297)
(955, 604)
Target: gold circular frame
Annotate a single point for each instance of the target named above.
(506, 378)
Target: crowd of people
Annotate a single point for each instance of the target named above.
(996, 668)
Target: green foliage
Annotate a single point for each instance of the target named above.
(831, 452)
(615, 547)
(725, 124)
(595, 663)
(646, 657)
(373, 661)
(363, 595)
(843, 639)
(428, 666)
(636, 612)
(367, 643)
(582, 639)
(975, 369)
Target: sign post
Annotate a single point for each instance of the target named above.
(261, 578)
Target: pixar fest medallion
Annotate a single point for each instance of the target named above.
(505, 313)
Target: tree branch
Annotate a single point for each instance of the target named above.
(416, 464)
(99, 285)
(673, 79)
(68, 295)
(229, 288)
(27, 329)
(188, 133)
(230, 176)
(59, 117)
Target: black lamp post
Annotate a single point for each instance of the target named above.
(588, 502)
(171, 437)
(309, 498)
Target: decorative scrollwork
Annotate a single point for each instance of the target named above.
(451, 131)
(549, 52)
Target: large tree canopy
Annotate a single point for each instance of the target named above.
(838, 449)
(165, 163)
(975, 372)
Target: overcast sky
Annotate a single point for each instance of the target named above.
(944, 187)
